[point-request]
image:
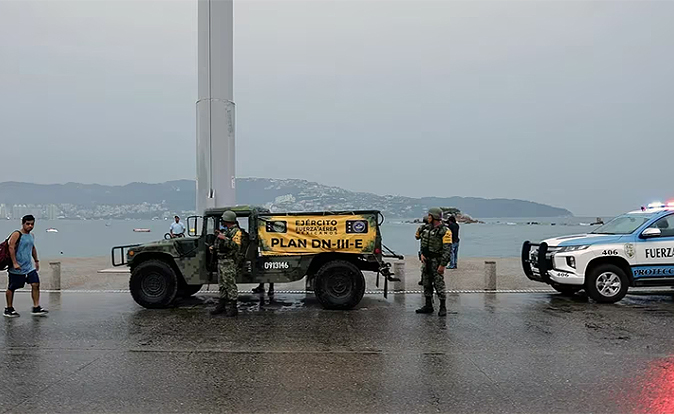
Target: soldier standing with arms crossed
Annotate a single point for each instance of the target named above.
(436, 248)
(229, 246)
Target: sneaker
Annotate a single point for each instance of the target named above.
(11, 313)
(38, 311)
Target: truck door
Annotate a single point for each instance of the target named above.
(655, 252)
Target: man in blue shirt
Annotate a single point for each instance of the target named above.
(23, 252)
(177, 228)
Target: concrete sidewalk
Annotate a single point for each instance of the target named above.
(84, 273)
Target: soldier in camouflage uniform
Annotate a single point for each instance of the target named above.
(229, 246)
(436, 248)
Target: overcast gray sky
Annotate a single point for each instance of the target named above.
(562, 102)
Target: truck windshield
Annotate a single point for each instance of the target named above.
(625, 224)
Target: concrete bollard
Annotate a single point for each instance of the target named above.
(399, 272)
(55, 275)
(489, 275)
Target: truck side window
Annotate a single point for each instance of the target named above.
(666, 226)
(243, 223)
(210, 225)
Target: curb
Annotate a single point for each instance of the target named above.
(304, 292)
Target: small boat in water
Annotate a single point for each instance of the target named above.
(141, 230)
(52, 230)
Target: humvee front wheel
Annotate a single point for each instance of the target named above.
(339, 285)
(153, 284)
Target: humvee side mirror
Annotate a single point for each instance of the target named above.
(651, 232)
(193, 225)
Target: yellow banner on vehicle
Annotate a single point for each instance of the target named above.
(297, 235)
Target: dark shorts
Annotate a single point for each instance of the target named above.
(19, 281)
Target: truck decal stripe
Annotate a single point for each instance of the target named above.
(653, 271)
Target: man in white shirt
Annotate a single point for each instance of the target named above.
(177, 228)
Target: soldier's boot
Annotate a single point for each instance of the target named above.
(232, 309)
(443, 307)
(222, 307)
(427, 308)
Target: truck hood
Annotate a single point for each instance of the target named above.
(585, 240)
(158, 243)
(154, 245)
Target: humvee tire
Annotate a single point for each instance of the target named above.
(339, 285)
(153, 284)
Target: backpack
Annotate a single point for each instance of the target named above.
(5, 257)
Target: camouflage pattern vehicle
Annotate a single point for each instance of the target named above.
(332, 249)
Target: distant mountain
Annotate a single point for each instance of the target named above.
(287, 195)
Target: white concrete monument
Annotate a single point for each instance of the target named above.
(215, 105)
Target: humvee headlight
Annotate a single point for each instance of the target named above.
(131, 253)
(573, 248)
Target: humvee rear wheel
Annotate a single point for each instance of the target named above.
(153, 284)
(339, 285)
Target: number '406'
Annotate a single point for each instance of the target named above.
(612, 252)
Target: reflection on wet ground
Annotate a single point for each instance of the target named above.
(530, 353)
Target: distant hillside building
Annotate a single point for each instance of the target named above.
(53, 212)
(284, 199)
(19, 210)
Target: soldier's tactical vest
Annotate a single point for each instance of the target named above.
(432, 240)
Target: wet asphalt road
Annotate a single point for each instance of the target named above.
(494, 353)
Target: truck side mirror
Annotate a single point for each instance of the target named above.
(651, 232)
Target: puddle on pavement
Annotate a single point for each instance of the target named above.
(251, 303)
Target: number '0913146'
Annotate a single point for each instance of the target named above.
(276, 265)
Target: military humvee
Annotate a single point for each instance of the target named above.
(332, 249)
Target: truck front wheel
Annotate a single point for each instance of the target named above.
(606, 283)
(153, 284)
(339, 285)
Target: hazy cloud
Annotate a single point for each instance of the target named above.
(559, 102)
